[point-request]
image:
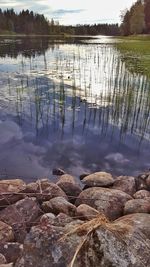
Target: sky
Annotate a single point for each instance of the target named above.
(73, 11)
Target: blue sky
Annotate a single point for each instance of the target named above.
(73, 12)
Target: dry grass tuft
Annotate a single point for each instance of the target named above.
(87, 229)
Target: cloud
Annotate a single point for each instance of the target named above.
(62, 12)
(117, 157)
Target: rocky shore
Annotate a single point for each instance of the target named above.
(101, 221)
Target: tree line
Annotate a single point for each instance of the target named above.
(136, 20)
(28, 22)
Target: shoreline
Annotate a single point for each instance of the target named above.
(34, 217)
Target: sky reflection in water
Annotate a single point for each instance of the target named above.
(71, 105)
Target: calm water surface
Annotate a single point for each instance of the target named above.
(72, 105)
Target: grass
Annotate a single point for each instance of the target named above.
(135, 51)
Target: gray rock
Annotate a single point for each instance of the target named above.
(11, 251)
(123, 243)
(67, 178)
(83, 175)
(47, 218)
(141, 194)
(126, 184)
(49, 190)
(2, 259)
(20, 216)
(102, 179)
(7, 265)
(59, 204)
(143, 181)
(6, 233)
(31, 188)
(137, 206)
(10, 191)
(70, 186)
(58, 171)
(63, 220)
(108, 201)
(46, 246)
(85, 212)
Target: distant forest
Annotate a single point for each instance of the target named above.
(136, 20)
(28, 22)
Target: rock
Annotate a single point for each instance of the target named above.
(49, 190)
(11, 251)
(126, 184)
(108, 201)
(6, 232)
(58, 171)
(46, 246)
(31, 188)
(103, 179)
(62, 220)
(10, 191)
(124, 243)
(83, 175)
(59, 204)
(7, 265)
(67, 178)
(48, 218)
(137, 206)
(69, 185)
(148, 182)
(2, 259)
(85, 212)
(141, 194)
(143, 181)
(20, 216)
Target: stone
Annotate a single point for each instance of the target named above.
(10, 191)
(31, 188)
(137, 206)
(83, 175)
(21, 216)
(70, 186)
(2, 259)
(141, 194)
(148, 182)
(47, 218)
(67, 178)
(143, 181)
(63, 220)
(7, 265)
(11, 251)
(123, 243)
(58, 171)
(102, 179)
(59, 204)
(49, 190)
(126, 184)
(85, 212)
(108, 201)
(47, 246)
(6, 233)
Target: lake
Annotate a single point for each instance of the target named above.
(71, 104)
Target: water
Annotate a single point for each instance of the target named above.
(72, 105)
